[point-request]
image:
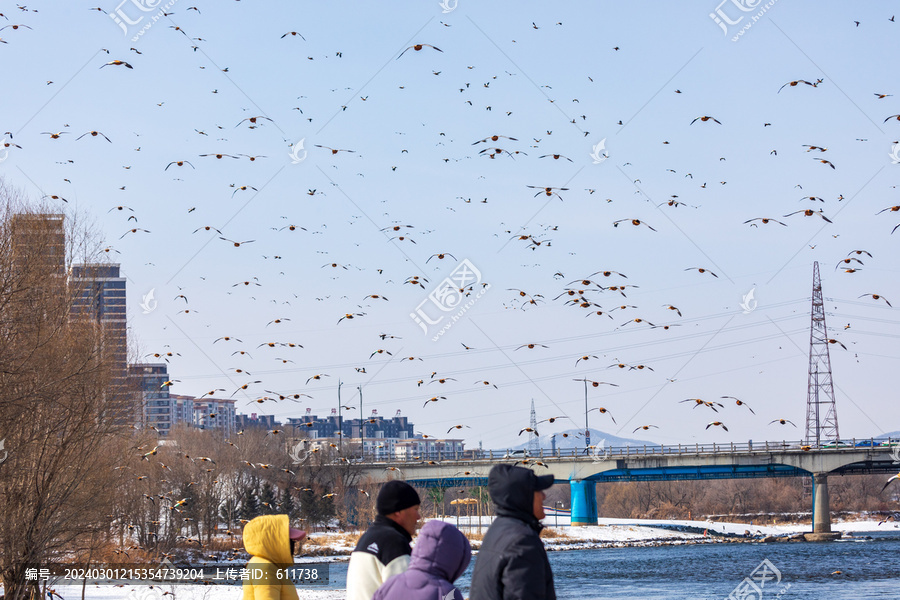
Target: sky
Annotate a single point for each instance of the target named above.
(615, 90)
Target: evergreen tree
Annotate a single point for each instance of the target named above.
(286, 505)
(267, 500)
(229, 512)
(314, 509)
(249, 508)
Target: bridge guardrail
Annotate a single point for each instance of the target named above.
(615, 452)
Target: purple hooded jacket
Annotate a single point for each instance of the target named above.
(440, 556)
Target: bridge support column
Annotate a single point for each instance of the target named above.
(584, 502)
(821, 508)
(821, 511)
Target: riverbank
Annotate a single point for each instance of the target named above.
(558, 536)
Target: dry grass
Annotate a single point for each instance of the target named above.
(329, 544)
(220, 544)
(550, 533)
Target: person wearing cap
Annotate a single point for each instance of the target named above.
(512, 563)
(271, 543)
(384, 550)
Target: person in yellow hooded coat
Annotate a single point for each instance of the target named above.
(270, 541)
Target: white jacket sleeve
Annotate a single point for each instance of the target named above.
(365, 574)
(395, 567)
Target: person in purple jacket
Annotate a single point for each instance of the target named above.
(440, 556)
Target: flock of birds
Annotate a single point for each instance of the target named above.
(606, 293)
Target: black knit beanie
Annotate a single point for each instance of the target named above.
(395, 495)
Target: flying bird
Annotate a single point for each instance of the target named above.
(604, 411)
(334, 150)
(809, 212)
(764, 221)
(644, 427)
(441, 256)
(117, 63)
(179, 163)
(418, 47)
(253, 120)
(702, 270)
(635, 222)
(434, 399)
(794, 84)
(740, 403)
(877, 297)
(494, 138)
(236, 244)
(93, 134)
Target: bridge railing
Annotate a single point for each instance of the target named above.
(616, 452)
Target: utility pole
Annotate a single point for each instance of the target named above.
(340, 418)
(587, 430)
(362, 433)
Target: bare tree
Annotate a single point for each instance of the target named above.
(61, 420)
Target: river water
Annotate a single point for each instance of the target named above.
(870, 568)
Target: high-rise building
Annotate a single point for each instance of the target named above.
(39, 239)
(99, 295)
(37, 276)
(156, 407)
(184, 408)
(215, 413)
(242, 421)
(375, 426)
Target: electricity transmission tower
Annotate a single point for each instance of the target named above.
(532, 436)
(820, 390)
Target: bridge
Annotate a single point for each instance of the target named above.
(584, 468)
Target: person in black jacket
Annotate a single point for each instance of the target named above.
(512, 563)
(383, 550)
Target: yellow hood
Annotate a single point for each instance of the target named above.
(268, 537)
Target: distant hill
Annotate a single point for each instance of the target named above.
(894, 435)
(572, 441)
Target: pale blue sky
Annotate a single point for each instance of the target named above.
(414, 162)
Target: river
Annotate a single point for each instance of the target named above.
(870, 568)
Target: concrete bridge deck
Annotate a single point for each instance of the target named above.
(583, 468)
